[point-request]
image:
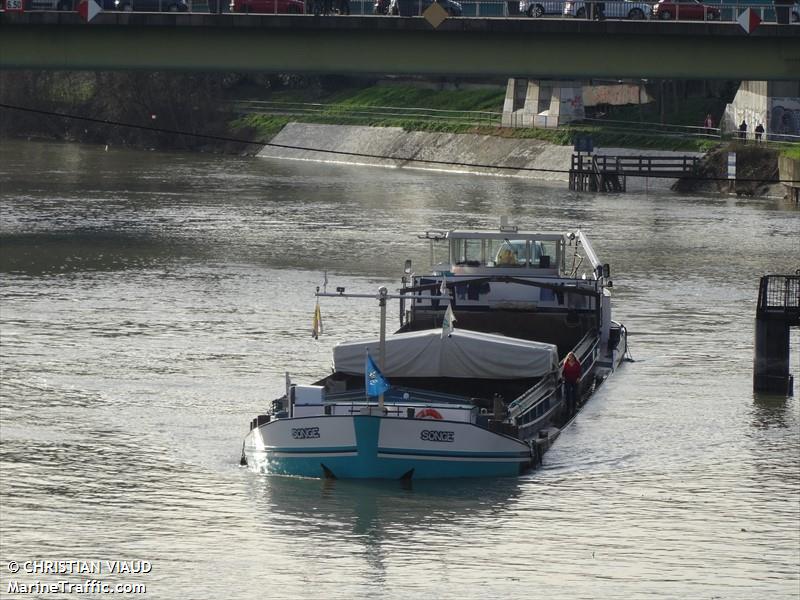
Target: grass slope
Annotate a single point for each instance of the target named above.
(339, 109)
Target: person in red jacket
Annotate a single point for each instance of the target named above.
(572, 376)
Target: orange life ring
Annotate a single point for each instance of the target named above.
(429, 413)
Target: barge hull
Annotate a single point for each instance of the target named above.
(368, 447)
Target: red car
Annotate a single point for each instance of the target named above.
(275, 7)
(691, 10)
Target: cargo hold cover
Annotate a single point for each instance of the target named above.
(464, 354)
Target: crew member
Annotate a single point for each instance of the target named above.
(572, 376)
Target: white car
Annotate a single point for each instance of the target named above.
(616, 9)
(539, 8)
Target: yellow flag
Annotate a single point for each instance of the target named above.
(316, 327)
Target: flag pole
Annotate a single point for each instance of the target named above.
(382, 292)
(366, 374)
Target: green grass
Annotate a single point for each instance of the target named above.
(483, 99)
(793, 152)
(340, 104)
(690, 112)
(489, 99)
(264, 127)
(259, 127)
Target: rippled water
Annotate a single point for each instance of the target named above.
(151, 303)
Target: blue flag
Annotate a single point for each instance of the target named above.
(375, 382)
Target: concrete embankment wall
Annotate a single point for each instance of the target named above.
(528, 158)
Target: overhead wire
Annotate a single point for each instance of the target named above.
(430, 161)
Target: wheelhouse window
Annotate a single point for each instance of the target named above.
(506, 253)
(545, 255)
(468, 252)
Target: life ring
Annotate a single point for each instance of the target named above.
(429, 413)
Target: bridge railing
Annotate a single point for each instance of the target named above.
(672, 10)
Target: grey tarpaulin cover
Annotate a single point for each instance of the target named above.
(465, 354)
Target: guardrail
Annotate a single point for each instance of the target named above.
(667, 10)
(650, 128)
(465, 117)
(491, 119)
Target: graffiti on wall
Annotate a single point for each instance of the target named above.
(784, 116)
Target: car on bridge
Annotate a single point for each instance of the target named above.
(274, 7)
(691, 10)
(615, 9)
(409, 8)
(49, 5)
(68, 5)
(150, 5)
(540, 8)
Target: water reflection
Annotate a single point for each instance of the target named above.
(772, 410)
(373, 508)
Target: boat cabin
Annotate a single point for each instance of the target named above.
(472, 252)
(542, 286)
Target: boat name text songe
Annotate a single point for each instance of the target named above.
(437, 436)
(305, 433)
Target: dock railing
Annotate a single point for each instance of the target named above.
(779, 297)
(778, 310)
(635, 166)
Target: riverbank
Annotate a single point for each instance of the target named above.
(394, 147)
(756, 172)
(453, 127)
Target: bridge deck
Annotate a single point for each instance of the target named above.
(507, 47)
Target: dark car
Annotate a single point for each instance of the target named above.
(70, 5)
(152, 5)
(275, 7)
(409, 8)
(692, 10)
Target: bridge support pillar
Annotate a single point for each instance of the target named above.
(771, 361)
(542, 103)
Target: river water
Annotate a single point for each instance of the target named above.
(151, 303)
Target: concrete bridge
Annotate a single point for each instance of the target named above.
(507, 47)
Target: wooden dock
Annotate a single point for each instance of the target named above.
(604, 173)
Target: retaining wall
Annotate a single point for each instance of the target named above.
(452, 152)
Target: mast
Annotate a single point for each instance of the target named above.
(382, 294)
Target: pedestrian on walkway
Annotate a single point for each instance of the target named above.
(743, 130)
(709, 124)
(759, 132)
